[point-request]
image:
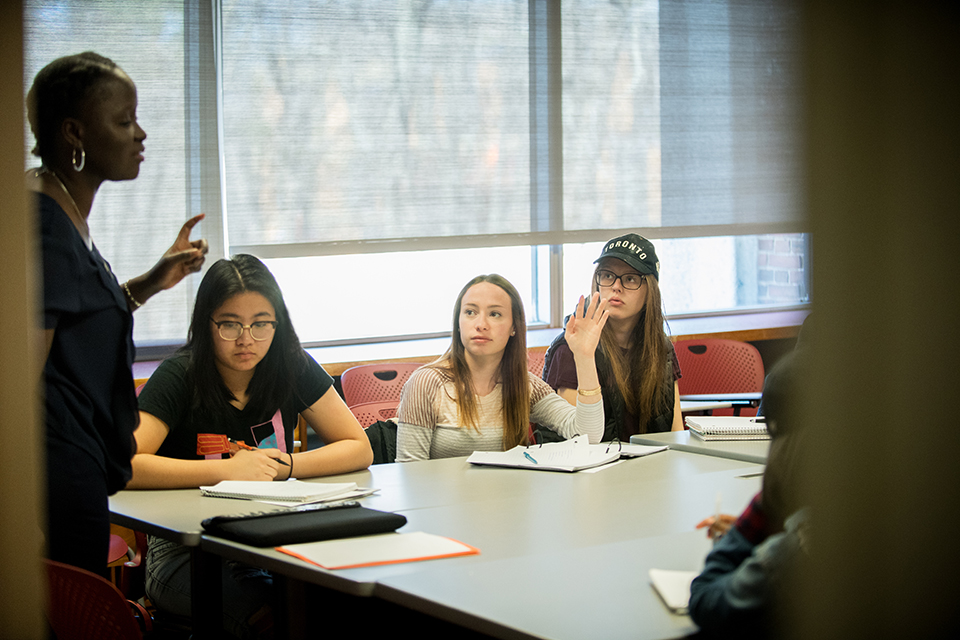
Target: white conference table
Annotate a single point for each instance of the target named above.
(599, 591)
(693, 406)
(755, 451)
(524, 522)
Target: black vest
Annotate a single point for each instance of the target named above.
(614, 406)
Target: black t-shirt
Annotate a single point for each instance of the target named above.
(167, 396)
(88, 376)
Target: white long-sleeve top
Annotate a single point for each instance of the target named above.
(429, 427)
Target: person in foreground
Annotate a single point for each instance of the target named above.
(479, 396)
(748, 572)
(638, 367)
(225, 407)
(82, 110)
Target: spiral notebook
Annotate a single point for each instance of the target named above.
(727, 428)
(289, 491)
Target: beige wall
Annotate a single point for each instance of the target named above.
(884, 202)
(20, 536)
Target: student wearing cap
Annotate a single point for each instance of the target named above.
(635, 359)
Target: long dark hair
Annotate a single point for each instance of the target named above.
(274, 379)
(514, 379)
(640, 373)
(59, 91)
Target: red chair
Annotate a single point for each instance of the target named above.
(375, 382)
(369, 412)
(133, 573)
(535, 357)
(716, 366)
(82, 605)
(118, 549)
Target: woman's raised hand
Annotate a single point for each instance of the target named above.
(181, 259)
(256, 464)
(585, 326)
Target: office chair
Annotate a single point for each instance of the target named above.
(375, 382)
(369, 412)
(717, 366)
(535, 357)
(82, 606)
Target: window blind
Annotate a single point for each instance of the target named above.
(680, 118)
(374, 122)
(132, 223)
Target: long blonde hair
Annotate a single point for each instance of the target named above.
(640, 372)
(513, 369)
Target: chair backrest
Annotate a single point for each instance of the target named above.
(719, 366)
(535, 356)
(369, 412)
(375, 382)
(83, 605)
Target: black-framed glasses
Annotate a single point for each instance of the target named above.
(259, 331)
(632, 281)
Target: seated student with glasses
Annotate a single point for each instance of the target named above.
(635, 359)
(225, 407)
(479, 396)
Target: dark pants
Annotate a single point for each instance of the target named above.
(78, 515)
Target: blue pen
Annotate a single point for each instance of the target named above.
(529, 457)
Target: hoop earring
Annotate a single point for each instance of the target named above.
(78, 166)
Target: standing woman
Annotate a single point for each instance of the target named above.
(479, 396)
(82, 111)
(637, 364)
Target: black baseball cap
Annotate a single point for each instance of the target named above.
(636, 251)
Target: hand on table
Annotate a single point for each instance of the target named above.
(255, 464)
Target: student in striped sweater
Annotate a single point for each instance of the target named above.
(479, 396)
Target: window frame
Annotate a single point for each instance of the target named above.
(206, 177)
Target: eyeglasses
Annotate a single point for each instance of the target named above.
(632, 281)
(259, 331)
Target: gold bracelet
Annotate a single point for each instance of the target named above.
(589, 392)
(126, 288)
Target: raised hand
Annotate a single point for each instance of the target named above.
(181, 259)
(585, 326)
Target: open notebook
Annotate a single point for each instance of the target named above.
(570, 455)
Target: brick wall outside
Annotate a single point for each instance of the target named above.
(781, 262)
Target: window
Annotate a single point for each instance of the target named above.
(132, 223)
(378, 155)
